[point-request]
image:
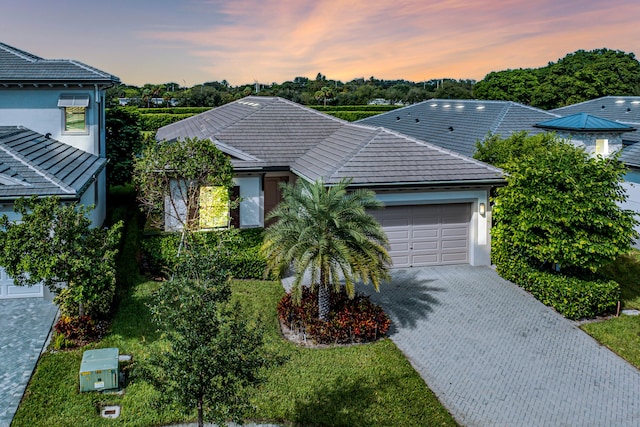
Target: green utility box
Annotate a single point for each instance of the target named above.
(99, 370)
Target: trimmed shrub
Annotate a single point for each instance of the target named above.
(354, 320)
(153, 122)
(174, 110)
(238, 251)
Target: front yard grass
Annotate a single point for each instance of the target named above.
(622, 334)
(365, 385)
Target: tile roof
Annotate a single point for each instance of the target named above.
(31, 164)
(458, 124)
(622, 109)
(18, 66)
(263, 132)
(586, 123)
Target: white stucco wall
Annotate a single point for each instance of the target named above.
(479, 227)
(37, 109)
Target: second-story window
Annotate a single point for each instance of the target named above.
(74, 116)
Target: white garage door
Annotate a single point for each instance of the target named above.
(424, 235)
(9, 290)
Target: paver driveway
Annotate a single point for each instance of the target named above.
(495, 356)
(24, 327)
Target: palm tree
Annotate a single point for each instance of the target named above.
(326, 231)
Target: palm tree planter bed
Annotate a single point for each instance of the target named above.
(351, 320)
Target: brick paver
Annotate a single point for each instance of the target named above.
(495, 356)
(24, 326)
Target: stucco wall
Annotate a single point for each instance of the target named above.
(37, 109)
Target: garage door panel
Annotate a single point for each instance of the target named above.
(455, 244)
(424, 260)
(423, 235)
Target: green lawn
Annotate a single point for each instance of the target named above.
(622, 334)
(365, 385)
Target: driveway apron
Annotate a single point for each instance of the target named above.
(495, 356)
(24, 326)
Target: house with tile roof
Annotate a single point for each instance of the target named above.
(458, 124)
(437, 201)
(52, 136)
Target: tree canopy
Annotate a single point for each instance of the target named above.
(578, 77)
(124, 141)
(214, 355)
(56, 245)
(560, 207)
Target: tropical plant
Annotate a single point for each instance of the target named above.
(124, 141)
(326, 232)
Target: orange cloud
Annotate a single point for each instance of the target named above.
(274, 40)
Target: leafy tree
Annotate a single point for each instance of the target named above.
(56, 245)
(561, 208)
(510, 85)
(214, 355)
(124, 141)
(499, 151)
(326, 232)
(169, 176)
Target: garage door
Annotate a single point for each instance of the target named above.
(424, 235)
(8, 290)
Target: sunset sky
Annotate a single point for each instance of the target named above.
(241, 41)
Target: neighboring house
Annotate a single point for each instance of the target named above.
(458, 124)
(621, 109)
(437, 202)
(597, 136)
(52, 136)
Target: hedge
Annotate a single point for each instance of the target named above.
(174, 110)
(153, 122)
(240, 251)
(573, 297)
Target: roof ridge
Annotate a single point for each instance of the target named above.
(21, 53)
(20, 158)
(88, 68)
(354, 152)
(313, 110)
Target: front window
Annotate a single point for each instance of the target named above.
(213, 209)
(602, 147)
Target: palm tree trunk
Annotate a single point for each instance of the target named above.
(323, 302)
(200, 412)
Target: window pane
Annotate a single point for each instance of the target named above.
(214, 207)
(74, 119)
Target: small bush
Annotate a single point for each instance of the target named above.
(76, 328)
(350, 320)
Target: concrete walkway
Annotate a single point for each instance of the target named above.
(495, 356)
(24, 326)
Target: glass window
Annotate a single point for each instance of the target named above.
(214, 207)
(602, 147)
(75, 119)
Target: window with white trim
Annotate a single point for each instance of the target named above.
(74, 113)
(602, 146)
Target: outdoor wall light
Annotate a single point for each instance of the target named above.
(482, 209)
